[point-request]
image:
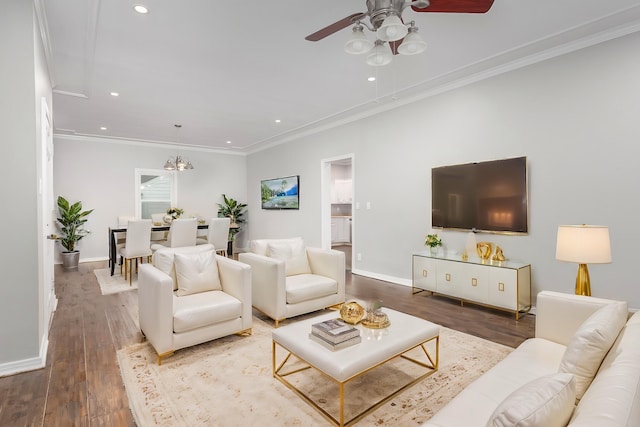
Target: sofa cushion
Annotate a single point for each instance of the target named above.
(304, 287)
(196, 272)
(162, 259)
(613, 398)
(293, 254)
(474, 405)
(202, 309)
(591, 342)
(546, 401)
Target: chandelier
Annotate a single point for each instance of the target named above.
(178, 164)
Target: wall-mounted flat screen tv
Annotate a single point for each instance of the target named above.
(485, 196)
(281, 193)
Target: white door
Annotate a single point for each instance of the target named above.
(46, 219)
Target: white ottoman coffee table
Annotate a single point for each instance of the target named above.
(404, 334)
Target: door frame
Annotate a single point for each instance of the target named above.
(46, 226)
(325, 199)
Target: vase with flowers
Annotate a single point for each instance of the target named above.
(434, 242)
(173, 213)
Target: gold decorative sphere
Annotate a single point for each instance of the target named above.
(351, 312)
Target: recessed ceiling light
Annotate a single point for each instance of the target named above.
(114, 94)
(103, 128)
(372, 79)
(140, 9)
(228, 142)
(277, 120)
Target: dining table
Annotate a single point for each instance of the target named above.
(123, 229)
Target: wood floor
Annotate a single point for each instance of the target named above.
(81, 383)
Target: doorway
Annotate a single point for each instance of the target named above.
(337, 205)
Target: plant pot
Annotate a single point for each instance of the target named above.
(433, 250)
(70, 260)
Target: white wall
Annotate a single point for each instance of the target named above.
(23, 81)
(576, 119)
(101, 174)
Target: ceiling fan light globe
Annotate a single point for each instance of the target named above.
(379, 55)
(392, 29)
(358, 43)
(412, 44)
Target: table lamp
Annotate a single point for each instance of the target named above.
(583, 244)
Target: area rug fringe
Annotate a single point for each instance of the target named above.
(229, 382)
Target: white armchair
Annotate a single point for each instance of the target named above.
(289, 279)
(190, 295)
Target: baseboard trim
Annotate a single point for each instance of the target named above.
(383, 277)
(25, 365)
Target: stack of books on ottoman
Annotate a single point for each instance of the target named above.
(335, 334)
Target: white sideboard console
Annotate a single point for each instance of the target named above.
(505, 285)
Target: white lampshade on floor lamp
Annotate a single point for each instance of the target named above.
(583, 244)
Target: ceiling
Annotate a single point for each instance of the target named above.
(226, 71)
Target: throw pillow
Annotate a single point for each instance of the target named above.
(196, 273)
(293, 254)
(544, 402)
(591, 342)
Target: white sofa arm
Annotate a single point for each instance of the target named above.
(328, 263)
(155, 301)
(235, 278)
(268, 284)
(559, 315)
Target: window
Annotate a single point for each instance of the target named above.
(156, 192)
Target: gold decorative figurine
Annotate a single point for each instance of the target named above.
(498, 256)
(484, 250)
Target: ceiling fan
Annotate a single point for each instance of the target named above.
(385, 17)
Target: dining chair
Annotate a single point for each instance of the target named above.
(218, 234)
(137, 246)
(120, 238)
(158, 236)
(182, 232)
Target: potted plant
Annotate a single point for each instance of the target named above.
(71, 224)
(235, 212)
(433, 241)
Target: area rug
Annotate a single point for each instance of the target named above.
(113, 284)
(229, 382)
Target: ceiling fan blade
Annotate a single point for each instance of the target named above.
(456, 6)
(394, 46)
(335, 27)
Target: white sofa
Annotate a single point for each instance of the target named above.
(611, 399)
(190, 295)
(289, 279)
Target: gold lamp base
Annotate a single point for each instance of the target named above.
(583, 285)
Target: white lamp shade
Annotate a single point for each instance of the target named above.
(379, 55)
(412, 44)
(358, 43)
(583, 244)
(392, 29)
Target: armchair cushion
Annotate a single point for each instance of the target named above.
(261, 246)
(196, 272)
(163, 259)
(202, 309)
(304, 287)
(294, 255)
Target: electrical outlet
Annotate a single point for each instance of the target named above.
(359, 257)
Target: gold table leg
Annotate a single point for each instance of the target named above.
(431, 365)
